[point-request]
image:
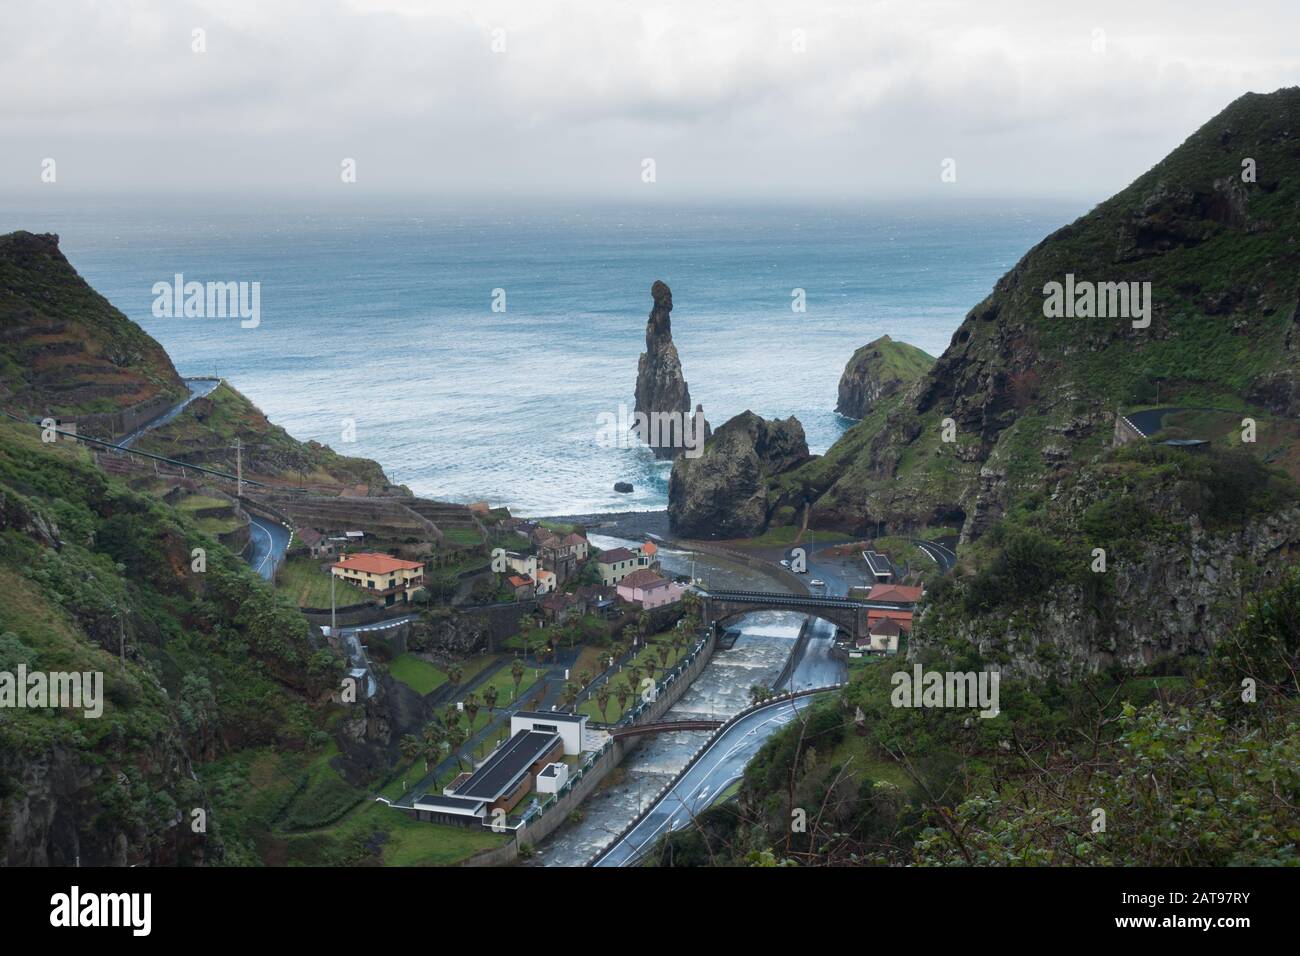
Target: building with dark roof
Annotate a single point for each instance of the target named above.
(506, 777)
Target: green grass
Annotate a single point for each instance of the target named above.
(417, 674)
(613, 712)
(308, 586)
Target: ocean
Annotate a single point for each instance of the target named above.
(380, 312)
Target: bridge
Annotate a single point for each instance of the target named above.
(665, 726)
(719, 606)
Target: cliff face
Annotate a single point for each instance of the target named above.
(878, 370)
(1030, 394)
(660, 386)
(1187, 543)
(722, 494)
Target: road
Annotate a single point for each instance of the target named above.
(198, 388)
(720, 766)
(941, 554)
(268, 542)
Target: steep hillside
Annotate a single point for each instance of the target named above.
(197, 665)
(66, 352)
(206, 431)
(1028, 396)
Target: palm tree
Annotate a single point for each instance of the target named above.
(411, 747)
(650, 666)
(454, 674)
(490, 694)
(456, 737)
(623, 693)
(643, 624)
(471, 708)
(433, 739)
(664, 651)
(584, 678)
(570, 695)
(602, 700)
(517, 672)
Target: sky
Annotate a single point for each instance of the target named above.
(746, 100)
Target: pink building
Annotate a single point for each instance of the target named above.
(648, 589)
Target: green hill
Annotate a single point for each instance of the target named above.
(1028, 396)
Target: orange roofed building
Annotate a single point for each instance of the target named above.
(393, 579)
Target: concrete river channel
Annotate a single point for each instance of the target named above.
(721, 691)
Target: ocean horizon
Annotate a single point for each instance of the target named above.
(381, 312)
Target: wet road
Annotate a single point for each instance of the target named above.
(268, 542)
(720, 766)
(198, 388)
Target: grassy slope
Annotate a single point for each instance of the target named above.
(205, 434)
(1016, 382)
(218, 672)
(64, 349)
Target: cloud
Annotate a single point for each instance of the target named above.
(719, 94)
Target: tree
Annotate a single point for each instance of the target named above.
(411, 747)
(471, 708)
(570, 694)
(664, 651)
(650, 665)
(602, 700)
(490, 694)
(517, 673)
(434, 737)
(643, 624)
(454, 674)
(456, 737)
(623, 693)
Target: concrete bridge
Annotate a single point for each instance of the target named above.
(720, 606)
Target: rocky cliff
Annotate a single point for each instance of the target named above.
(878, 370)
(660, 385)
(1150, 556)
(723, 493)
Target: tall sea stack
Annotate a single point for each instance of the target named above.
(660, 386)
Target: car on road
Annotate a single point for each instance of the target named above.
(785, 562)
(817, 583)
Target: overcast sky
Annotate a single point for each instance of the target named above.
(1028, 99)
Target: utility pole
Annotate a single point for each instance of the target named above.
(333, 576)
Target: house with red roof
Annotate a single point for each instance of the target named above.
(391, 579)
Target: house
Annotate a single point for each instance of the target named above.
(318, 546)
(562, 607)
(895, 594)
(900, 616)
(648, 589)
(393, 579)
(882, 637)
(599, 600)
(523, 586)
(579, 545)
(521, 562)
(545, 582)
(879, 566)
(616, 564)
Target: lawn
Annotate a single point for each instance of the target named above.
(613, 712)
(417, 674)
(302, 579)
